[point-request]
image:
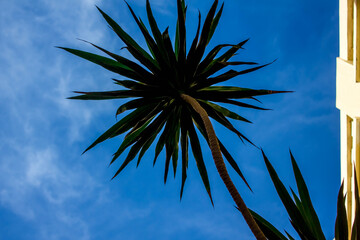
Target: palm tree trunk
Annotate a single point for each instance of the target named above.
(221, 168)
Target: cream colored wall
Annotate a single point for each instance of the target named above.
(348, 93)
(343, 29)
(347, 89)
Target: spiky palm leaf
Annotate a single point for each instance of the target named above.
(158, 83)
(302, 214)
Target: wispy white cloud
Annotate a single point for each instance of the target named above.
(36, 183)
(37, 187)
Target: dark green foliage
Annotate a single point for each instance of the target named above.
(341, 224)
(302, 213)
(155, 84)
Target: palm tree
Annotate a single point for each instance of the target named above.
(173, 90)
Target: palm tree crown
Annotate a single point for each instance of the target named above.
(160, 87)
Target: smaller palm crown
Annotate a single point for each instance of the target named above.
(157, 83)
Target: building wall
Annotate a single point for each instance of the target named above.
(348, 95)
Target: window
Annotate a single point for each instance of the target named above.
(350, 30)
(349, 167)
(357, 149)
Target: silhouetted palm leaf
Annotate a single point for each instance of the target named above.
(302, 213)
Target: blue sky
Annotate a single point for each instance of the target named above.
(49, 191)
